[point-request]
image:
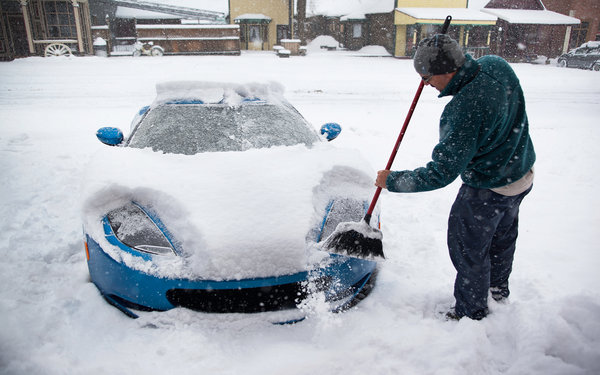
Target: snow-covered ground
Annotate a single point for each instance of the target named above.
(53, 320)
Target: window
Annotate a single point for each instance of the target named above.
(282, 32)
(254, 31)
(60, 21)
(357, 30)
(578, 34)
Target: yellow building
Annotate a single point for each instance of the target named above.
(417, 19)
(263, 23)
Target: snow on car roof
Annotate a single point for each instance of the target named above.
(218, 92)
(591, 44)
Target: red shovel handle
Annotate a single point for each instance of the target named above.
(396, 146)
(406, 121)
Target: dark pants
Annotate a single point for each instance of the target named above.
(482, 232)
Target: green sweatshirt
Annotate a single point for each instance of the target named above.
(484, 132)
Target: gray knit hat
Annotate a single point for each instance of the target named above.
(439, 54)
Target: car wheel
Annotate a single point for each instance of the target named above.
(596, 67)
(157, 51)
(562, 63)
(137, 53)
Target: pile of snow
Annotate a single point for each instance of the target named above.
(237, 215)
(373, 51)
(321, 43)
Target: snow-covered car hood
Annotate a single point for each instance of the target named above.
(236, 214)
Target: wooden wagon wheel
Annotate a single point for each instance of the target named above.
(57, 49)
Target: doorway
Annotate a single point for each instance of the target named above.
(17, 35)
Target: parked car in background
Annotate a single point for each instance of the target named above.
(217, 200)
(586, 56)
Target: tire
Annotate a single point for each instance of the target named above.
(157, 51)
(562, 63)
(364, 293)
(596, 67)
(137, 53)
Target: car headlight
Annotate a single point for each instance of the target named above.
(341, 210)
(132, 226)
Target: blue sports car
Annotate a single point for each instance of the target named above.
(217, 201)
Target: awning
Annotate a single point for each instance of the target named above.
(538, 17)
(437, 16)
(252, 18)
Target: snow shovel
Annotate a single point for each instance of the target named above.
(361, 240)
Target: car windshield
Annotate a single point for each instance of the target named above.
(194, 128)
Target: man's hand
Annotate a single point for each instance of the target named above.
(381, 178)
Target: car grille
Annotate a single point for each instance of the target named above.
(247, 300)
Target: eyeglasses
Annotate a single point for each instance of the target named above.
(427, 78)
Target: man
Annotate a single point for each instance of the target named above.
(484, 138)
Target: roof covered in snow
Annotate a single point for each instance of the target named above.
(252, 16)
(140, 14)
(524, 16)
(170, 9)
(357, 9)
(477, 4)
(475, 12)
(354, 8)
(458, 14)
(210, 5)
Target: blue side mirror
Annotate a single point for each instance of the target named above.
(110, 136)
(331, 130)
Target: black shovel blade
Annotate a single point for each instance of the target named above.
(357, 240)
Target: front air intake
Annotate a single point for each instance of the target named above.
(247, 300)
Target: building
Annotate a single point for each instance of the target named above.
(177, 26)
(263, 23)
(415, 20)
(526, 29)
(39, 27)
(354, 24)
(518, 30)
(398, 25)
(588, 11)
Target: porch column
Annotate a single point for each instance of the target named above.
(78, 26)
(568, 34)
(400, 41)
(27, 26)
(567, 39)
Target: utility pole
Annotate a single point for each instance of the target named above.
(301, 17)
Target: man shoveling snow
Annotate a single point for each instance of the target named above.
(484, 138)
